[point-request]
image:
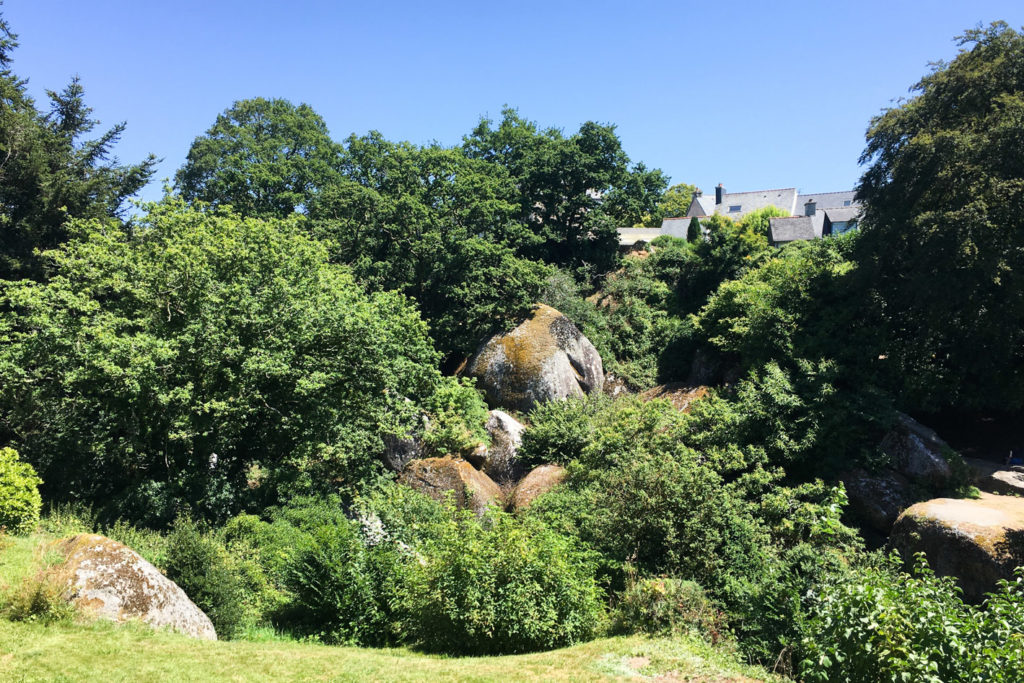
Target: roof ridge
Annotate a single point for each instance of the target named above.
(774, 189)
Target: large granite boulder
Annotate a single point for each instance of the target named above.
(877, 499)
(498, 460)
(540, 480)
(917, 452)
(440, 478)
(996, 478)
(976, 541)
(111, 581)
(546, 358)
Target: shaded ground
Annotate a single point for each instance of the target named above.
(988, 436)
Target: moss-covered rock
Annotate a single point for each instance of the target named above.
(111, 581)
(976, 541)
(540, 480)
(440, 478)
(545, 358)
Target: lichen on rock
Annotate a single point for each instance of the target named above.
(545, 358)
(112, 581)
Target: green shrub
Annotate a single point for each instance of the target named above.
(20, 502)
(39, 598)
(558, 431)
(882, 624)
(667, 606)
(343, 587)
(500, 585)
(202, 568)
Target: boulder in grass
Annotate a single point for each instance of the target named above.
(111, 581)
(440, 478)
(540, 480)
(546, 358)
(977, 541)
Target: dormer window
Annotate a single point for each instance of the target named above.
(846, 202)
(734, 208)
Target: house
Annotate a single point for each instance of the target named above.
(811, 216)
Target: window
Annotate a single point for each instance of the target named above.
(734, 208)
(846, 202)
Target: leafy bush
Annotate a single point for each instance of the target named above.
(20, 501)
(202, 568)
(499, 586)
(558, 430)
(667, 606)
(343, 587)
(885, 625)
(168, 362)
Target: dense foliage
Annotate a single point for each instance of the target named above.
(205, 359)
(234, 365)
(943, 228)
(20, 501)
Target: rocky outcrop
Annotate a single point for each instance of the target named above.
(441, 478)
(546, 358)
(996, 478)
(877, 499)
(111, 581)
(917, 452)
(498, 461)
(976, 541)
(540, 480)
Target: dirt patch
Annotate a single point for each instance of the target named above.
(680, 394)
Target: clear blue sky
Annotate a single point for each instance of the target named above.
(754, 95)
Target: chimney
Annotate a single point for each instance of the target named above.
(719, 191)
(810, 207)
(698, 193)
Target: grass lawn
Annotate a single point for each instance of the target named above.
(104, 652)
(101, 651)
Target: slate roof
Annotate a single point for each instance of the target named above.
(847, 213)
(784, 199)
(825, 200)
(782, 230)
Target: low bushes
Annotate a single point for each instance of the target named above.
(886, 625)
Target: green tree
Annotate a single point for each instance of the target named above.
(435, 225)
(262, 157)
(943, 228)
(674, 203)
(572, 191)
(49, 173)
(758, 220)
(205, 359)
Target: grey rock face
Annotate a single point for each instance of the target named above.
(506, 434)
(112, 581)
(546, 358)
(917, 452)
(878, 499)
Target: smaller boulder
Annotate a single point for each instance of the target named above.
(877, 499)
(506, 433)
(976, 541)
(995, 478)
(540, 480)
(448, 476)
(917, 452)
(112, 581)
